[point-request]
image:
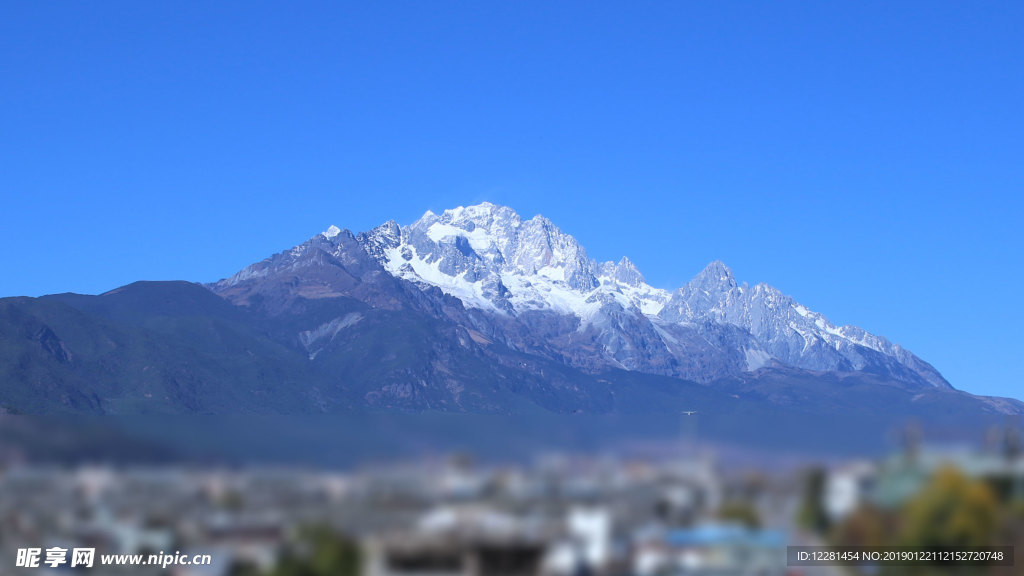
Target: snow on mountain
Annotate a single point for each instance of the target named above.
(491, 259)
(787, 330)
(534, 287)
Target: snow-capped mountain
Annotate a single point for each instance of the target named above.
(786, 330)
(472, 310)
(532, 287)
(492, 260)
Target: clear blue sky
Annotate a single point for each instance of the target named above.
(865, 157)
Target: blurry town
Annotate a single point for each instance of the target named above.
(559, 514)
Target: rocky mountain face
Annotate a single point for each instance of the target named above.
(532, 287)
(789, 333)
(471, 310)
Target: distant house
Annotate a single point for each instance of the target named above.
(460, 541)
(902, 475)
(586, 545)
(847, 486)
(710, 550)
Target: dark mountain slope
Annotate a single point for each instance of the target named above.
(421, 321)
(57, 357)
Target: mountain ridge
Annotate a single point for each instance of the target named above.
(490, 258)
(338, 325)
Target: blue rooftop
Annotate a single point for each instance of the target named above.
(718, 534)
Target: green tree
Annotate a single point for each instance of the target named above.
(812, 515)
(952, 510)
(319, 551)
(740, 511)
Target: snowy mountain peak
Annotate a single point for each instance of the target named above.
(491, 259)
(485, 215)
(624, 272)
(785, 329)
(499, 235)
(384, 237)
(715, 276)
(331, 232)
(389, 231)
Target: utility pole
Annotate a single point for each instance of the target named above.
(690, 434)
